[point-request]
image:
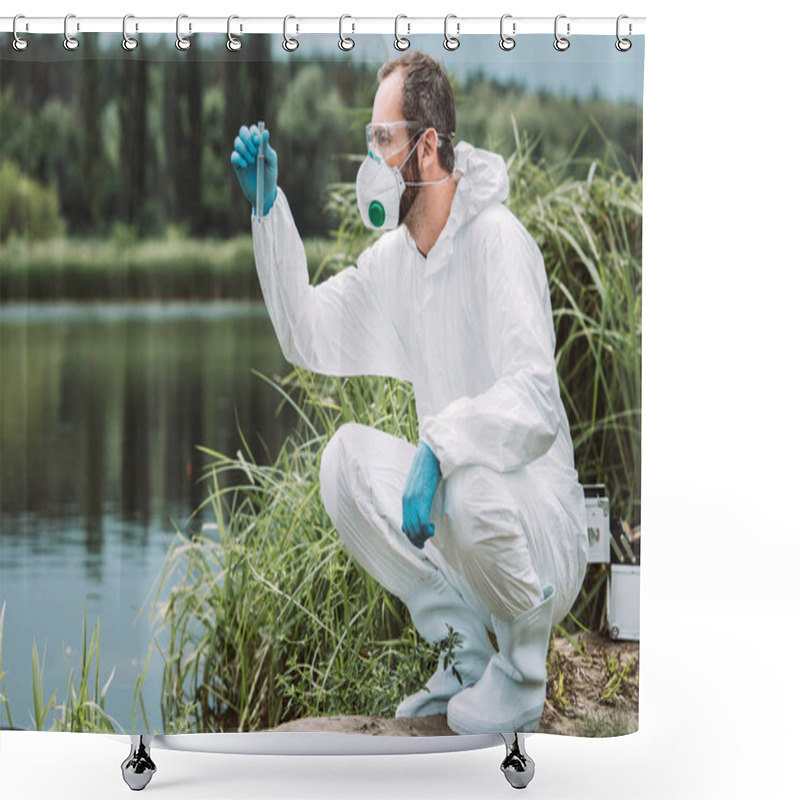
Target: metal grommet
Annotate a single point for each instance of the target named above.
(128, 42)
(70, 42)
(181, 42)
(19, 43)
(233, 44)
(623, 45)
(289, 44)
(451, 42)
(561, 43)
(345, 43)
(506, 42)
(400, 42)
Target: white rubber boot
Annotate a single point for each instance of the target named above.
(510, 696)
(433, 606)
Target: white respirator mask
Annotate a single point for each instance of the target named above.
(379, 188)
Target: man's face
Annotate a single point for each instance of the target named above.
(387, 107)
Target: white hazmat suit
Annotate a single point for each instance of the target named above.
(471, 327)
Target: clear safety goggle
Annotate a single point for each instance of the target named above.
(384, 139)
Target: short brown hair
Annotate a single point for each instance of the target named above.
(427, 98)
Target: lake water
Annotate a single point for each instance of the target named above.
(102, 407)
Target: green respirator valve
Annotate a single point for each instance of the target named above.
(377, 213)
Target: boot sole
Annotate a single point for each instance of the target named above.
(526, 722)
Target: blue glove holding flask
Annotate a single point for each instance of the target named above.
(244, 159)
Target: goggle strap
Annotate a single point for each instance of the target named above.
(430, 183)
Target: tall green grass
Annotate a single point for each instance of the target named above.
(83, 707)
(5, 717)
(272, 619)
(589, 232)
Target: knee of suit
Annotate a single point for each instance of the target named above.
(479, 511)
(343, 473)
(332, 469)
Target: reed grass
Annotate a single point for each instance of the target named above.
(589, 232)
(5, 713)
(83, 707)
(272, 619)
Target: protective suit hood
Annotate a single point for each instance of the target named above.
(482, 182)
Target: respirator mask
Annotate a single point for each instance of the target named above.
(379, 187)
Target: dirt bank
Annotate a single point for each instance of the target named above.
(592, 690)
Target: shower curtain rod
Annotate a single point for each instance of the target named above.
(74, 24)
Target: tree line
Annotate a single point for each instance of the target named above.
(143, 140)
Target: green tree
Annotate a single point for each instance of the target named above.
(27, 208)
(310, 127)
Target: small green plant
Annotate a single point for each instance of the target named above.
(616, 677)
(557, 691)
(577, 642)
(447, 648)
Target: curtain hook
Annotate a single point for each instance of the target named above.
(181, 42)
(506, 42)
(70, 42)
(289, 44)
(623, 45)
(345, 43)
(19, 43)
(451, 42)
(400, 42)
(128, 42)
(233, 44)
(561, 43)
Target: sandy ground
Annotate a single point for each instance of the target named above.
(592, 690)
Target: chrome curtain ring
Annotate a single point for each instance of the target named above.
(128, 42)
(561, 43)
(70, 42)
(289, 44)
(506, 42)
(623, 45)
(345, 43)
(19, 43)
(451, 42)
(233, 44)
(400, 42)
(181, 42)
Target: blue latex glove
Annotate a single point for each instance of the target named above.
(423, 478)
(244, 157)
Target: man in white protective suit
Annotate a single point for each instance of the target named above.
(481, 526)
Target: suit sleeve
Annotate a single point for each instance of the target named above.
(344, 325)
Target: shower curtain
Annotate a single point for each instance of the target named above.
(169, 562)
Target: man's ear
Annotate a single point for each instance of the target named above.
(428, 146)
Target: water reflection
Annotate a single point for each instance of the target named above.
(102, 409)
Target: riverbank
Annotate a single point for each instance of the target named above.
(592, 690)
(120, 269)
